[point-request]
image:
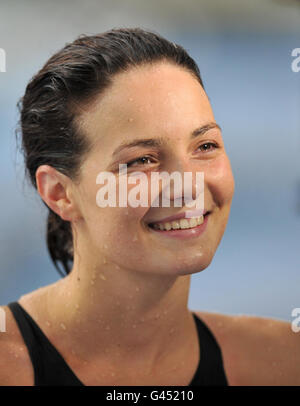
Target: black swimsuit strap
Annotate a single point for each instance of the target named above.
(49, 366)
(51, 369)
(210, 371)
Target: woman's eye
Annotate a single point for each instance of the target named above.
(206, 144)
(141, 160)
(145, 159)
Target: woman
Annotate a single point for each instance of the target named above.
(120, 316)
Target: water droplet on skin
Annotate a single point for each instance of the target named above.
(16, 355)
(134, 326)
(135, 238)
(172, 330)
(117, 266)
(63, 326)
(113, 374)
(157, 316)
(142, 319)
(107, 327)
(130, 99)
(165, 311)
(137, 289)
(92, 282)
(104, 261)
(77, 306)
(102, 276)
(48, 323)
(130, 120)
(105, 246)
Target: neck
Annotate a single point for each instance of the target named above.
(120, 311)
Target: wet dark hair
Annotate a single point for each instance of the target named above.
(75, 75)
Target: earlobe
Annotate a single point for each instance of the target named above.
(60, 210)
(59, 207)
(66, 210)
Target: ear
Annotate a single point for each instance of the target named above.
(54, 188)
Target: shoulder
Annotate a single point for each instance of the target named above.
(15, 364)
(256, 350)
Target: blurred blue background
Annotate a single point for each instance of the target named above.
(243, 50)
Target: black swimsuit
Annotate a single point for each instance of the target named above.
(51, 369)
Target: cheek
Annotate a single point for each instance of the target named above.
(220, 180)
(135, 194)
(111, 222)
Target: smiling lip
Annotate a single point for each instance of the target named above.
(185, 214)
(184, 233)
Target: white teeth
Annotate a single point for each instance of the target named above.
(179, 224)
(193, 222)
(200, 220)
(168, 226)
(175, 225)
(184, 223)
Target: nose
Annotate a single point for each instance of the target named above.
(183, 185)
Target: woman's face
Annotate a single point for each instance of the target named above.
(158, 102)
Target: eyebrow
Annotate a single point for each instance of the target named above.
(160, 141)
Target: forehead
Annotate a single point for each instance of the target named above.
(161, 97)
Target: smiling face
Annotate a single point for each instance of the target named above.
(166, 104)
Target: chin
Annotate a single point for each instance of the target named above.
(192, 265)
